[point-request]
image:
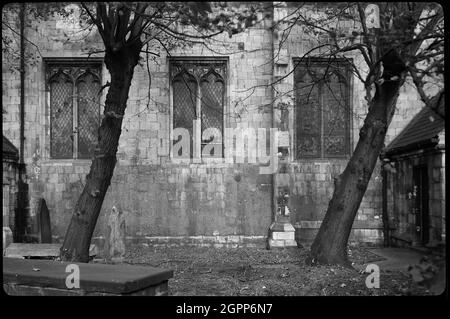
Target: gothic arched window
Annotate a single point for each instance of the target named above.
(322, 90)
(198, 93)
(74, 108)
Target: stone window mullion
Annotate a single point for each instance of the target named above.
(198, 123)
(322, 107)
(75, 119)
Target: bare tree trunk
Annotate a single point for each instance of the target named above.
(330, 244)
(120, 64)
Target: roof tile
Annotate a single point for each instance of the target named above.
(424, 126)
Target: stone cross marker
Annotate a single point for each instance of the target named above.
(115, 236)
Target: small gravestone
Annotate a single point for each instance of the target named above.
(115, 235)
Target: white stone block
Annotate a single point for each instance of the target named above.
(280, 243)
(290, 243)
(276, 243)
(283, 235)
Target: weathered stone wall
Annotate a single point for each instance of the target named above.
(193, 200)
(158, 197)
(10, 77)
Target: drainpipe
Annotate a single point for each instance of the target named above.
(272, 52)
(22, 194)
(22, 84)
(384, 216)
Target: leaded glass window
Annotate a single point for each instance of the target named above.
(74, 108)
(198, 90)
(322, 90)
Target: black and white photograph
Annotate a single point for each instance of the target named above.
(223, 149)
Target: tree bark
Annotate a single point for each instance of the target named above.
(120, 63)
(330, 244)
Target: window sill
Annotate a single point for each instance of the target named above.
(66, 162)
(201, 161)
(320, 159)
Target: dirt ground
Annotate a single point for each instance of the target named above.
(204, 271)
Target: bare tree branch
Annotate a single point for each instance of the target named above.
(95, 20)
(433, 102)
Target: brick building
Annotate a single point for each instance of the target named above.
(210, 201)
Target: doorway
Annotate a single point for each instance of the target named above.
(421, 211)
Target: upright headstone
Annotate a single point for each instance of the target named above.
(43, 217)
(115, 236)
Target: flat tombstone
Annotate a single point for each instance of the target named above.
(45, 277)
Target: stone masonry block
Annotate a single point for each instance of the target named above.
(283, 235)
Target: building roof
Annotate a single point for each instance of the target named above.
(9, 150)
(421, 130)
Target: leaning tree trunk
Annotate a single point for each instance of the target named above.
(330, 244)
(120, 64)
